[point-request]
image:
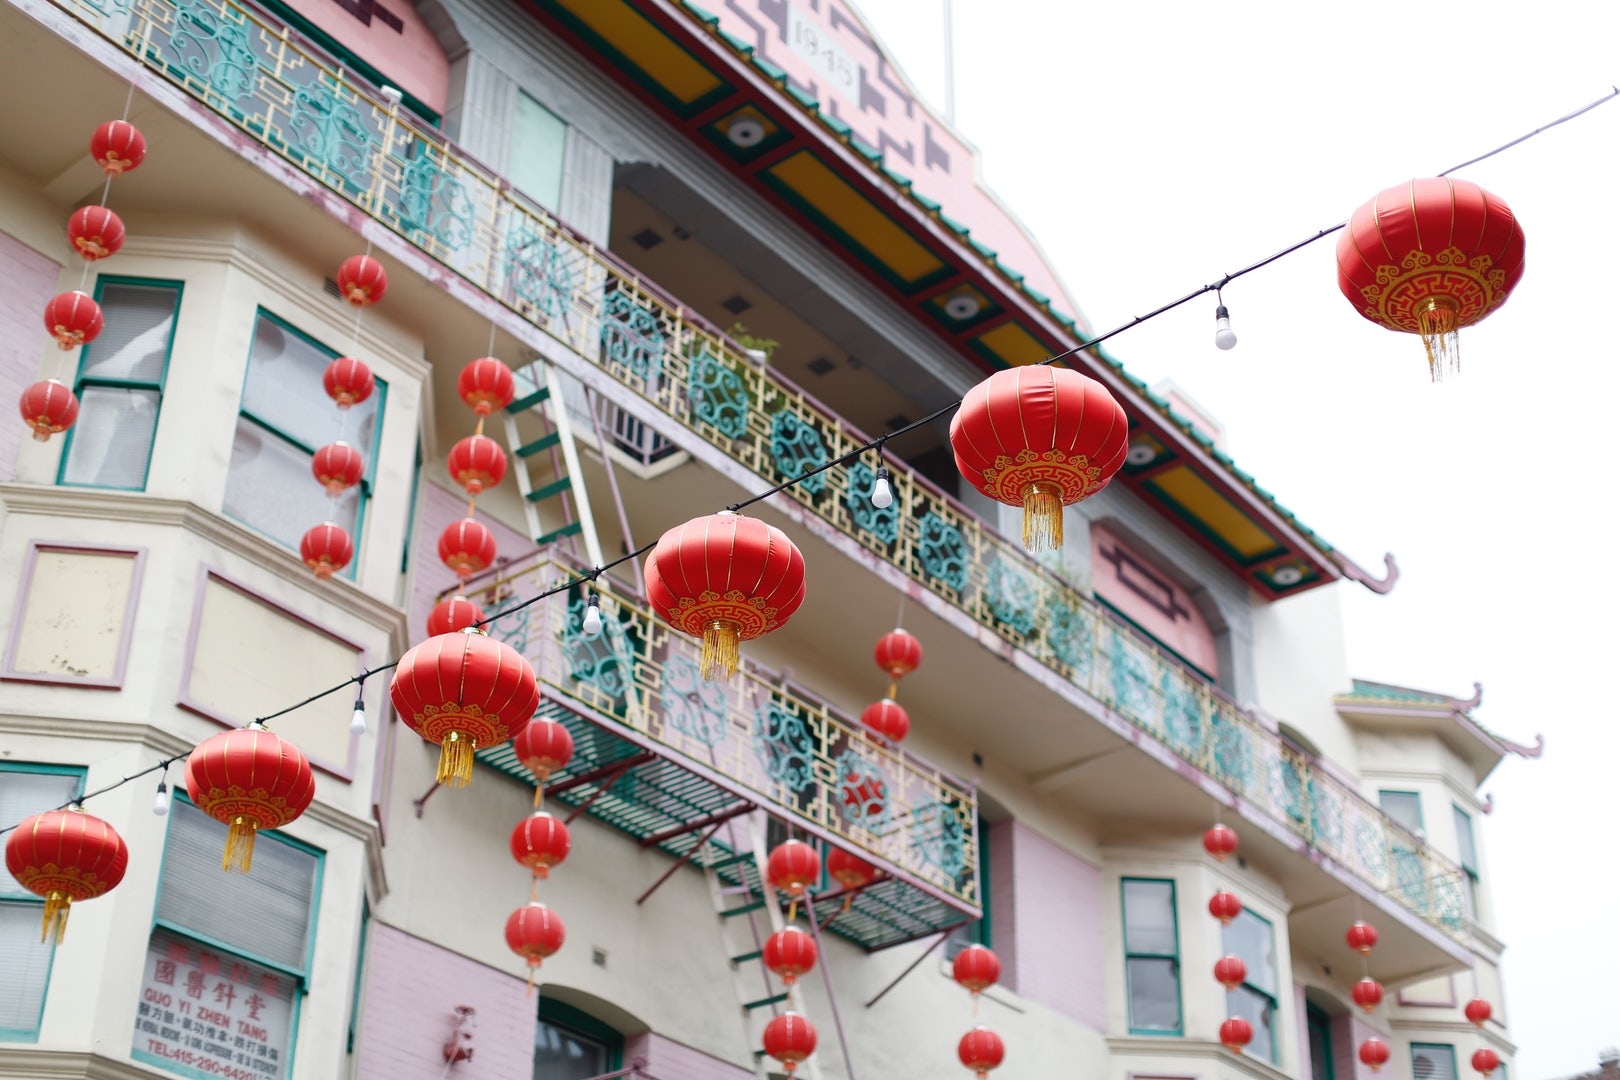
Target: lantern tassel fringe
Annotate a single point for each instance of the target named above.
(456, 760)
(239, 846)
(1437, 326)
(56, 916)
(720, 654)
(1043, 517)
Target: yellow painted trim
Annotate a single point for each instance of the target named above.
(645, 46)
(825, 192)
(1015, 345)
(1194, 495)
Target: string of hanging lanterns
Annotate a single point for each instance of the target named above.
(789, 953)
(976, 969)
(1236, 1033)
(897, 654)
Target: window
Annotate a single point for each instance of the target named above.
(1434, 1061)
(229, 954)
(1405, 808)
(1319, 1032)
(1152, 960)
(570, 1044)
(1467, 855)
(26, 961)
(285, 418)
(1249, 937)
(120, 385)
(536, 159)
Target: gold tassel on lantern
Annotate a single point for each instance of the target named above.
(719, 660)
(540, 778)
(56, 913)
(1043, 516)
(1437, 319)
(456, 760)
(239, 845)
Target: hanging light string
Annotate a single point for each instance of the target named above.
(589, 577)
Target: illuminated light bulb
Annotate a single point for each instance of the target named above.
(593, 617)
(357, 722)
(1224, 337)
(882, 493)
(160, 805)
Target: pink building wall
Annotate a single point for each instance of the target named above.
(669, 1060)
(411, 990)
(391, 37)
(27, 283)
(1155, 603)
(1348, 1033)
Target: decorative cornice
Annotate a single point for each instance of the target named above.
(1205, 1050)
(33, 1063)
(70, 727)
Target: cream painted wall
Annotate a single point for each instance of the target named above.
(1300, 663)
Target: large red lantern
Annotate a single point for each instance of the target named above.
(348, 381)
(534, 932)
(361, 280)
(1367, 993)
(1478, 1011)
(790, 1038)
(1040, 437)
(96, 232)
(1374, 1054)
(1486, 1061)
(1361, 937)
(976, 969)
(249, 779)
(451, 614)
(463, 691)
(485, 385)
(543, 747)
(725, 579)
(849, 871)
(338, 466)
(1220, 841)
(981, 1050)
(1429, 257)
(477, 463)
(1225, 906)
(73, 319)
(48, 407)
(467, 547)
(898, 653)
(1236, 1033)
(540, 842)
(789, 953)
(326, 549)
(887, 719)
(1231, 971)
(118, 147)
(63, 856)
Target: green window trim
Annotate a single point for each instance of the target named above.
(1318, 1023)
(1174, 956)
(359, 970)
(561, 1015)
(1447, 1049)
(1271, 998)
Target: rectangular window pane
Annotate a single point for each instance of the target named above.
(270, 487)
(1250, 938)
(536, 165)
(560, 1054)
(1465, 840)
(1155, 994)
(21, 795)
(283, 390)
(265, 913)
(1433, 1061)
(134, 342)
(26, 963)
(1261, 1011)
(112, 441)
(1404, 808)
(1150, 917)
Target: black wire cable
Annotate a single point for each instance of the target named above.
(590, 576)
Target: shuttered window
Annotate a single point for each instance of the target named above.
(25, 961)
(1434, 1061)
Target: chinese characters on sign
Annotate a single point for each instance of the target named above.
(206, 1014)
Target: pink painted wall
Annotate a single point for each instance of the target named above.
(1046, 916)
(391, 37)
(411, 989)
(1161, 607)
(670, 1060)
(27, 283)
(435, 509)
(1348, 1033)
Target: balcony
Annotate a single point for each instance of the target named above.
(686, 381)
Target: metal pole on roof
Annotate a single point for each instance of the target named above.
(950, 68)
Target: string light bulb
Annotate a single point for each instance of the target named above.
(882, 491)
(593, 616)
(1224, 337)
(357, 722)
(160, 805)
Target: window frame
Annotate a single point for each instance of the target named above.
(1318, 1021)
(977, 932)
(24, 1035)
(1174, 958)
(1463, 822)
(1422, 826)
(1449, 1048)
(80, 381)
(1274, 999)
(576, 1021)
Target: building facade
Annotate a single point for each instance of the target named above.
(720, 251)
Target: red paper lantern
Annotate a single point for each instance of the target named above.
(790, 1038)
(1429, 257)
(451, 614)
(543, 747)
(981, 1050)
(1220, 841)
(118, 147)
(326, 549)
(463, 691)
(534, 932)
(1367, 993)
(249, 779)
(96, 232)
(73, 319)
(1361, 937)
(1231, 971)
(849, 871)
(63, 856)
(1236, 1033)
(792, 868)
(1374, 1054)
(48, 407)
(1225, 906)
(1486, 1061)
(1478, 1011)
(361, 280)
(467, 547)
(485, 385)
(790, 952)
(477, 463)
(338, 466)
(348, 381)
(540, 842)
(976, 969)
(725, 578)
(1040, 437)
(887, 719)
(898, 653)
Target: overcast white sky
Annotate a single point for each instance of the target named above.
(1152, 147)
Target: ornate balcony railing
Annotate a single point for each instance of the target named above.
(295, 100)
